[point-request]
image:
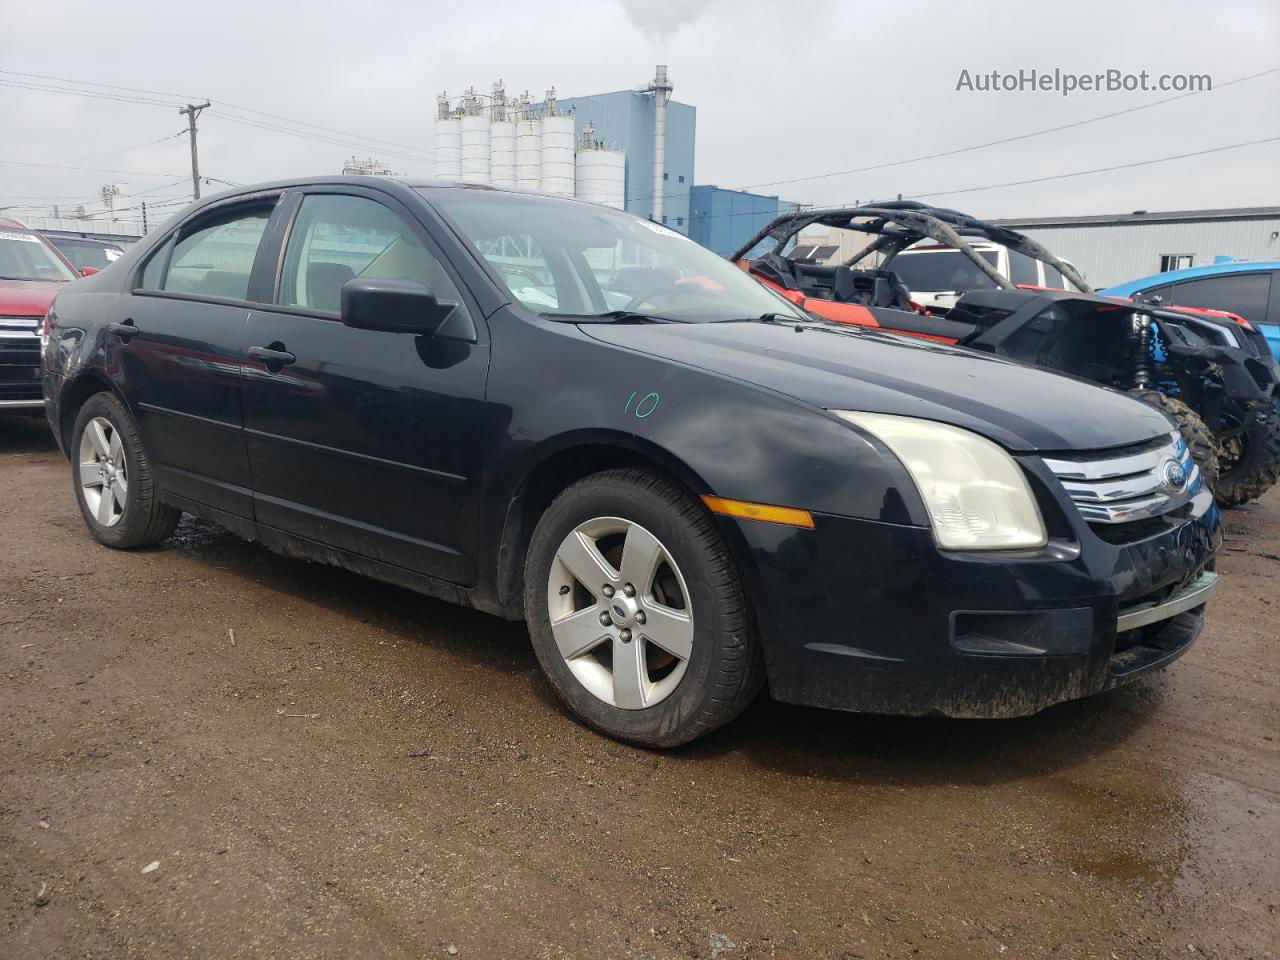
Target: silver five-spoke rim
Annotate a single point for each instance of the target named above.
(620, 613)
(104, 477)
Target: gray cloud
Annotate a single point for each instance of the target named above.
(782, 91)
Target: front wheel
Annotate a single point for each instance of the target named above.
(1199, 438)
(112, 477)
(637, 613)
(1250, 459)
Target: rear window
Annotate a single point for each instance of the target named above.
(941, 271)
(88, 253)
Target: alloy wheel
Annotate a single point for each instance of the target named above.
(104, 475)
(620, 612)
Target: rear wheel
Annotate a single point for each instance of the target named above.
(112, 477)
(1250, 461)
(1196, 433)
(637, 613)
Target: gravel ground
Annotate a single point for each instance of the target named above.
(209, 751)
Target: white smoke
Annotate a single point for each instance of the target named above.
(660, 20)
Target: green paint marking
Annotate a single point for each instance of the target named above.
(654, 406)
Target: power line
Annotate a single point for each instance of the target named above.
(111, 153)
(129, 95)
(1014, 139)
(316, 137)
(45, 88)
(1083, 173)
(92, 83)
(64, 166)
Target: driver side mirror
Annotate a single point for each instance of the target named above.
(89, 271)
(393, 306)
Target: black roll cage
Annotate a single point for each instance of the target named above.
(897, 224)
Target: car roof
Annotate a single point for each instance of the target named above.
(10, 222)
(1190, 273)
(408, 188)
(410, 183)
(943, 248)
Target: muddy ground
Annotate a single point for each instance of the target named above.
(364, 772)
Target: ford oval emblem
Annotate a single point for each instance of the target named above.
(1175, 476)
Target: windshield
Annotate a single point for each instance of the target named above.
(88, 253)
(932, 272)
(24, 256)
(562, 258)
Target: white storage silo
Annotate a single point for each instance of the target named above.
(502, 153)
(557, 155)
(448, 136)
(601, 172)
(475, 148)
(528, 148)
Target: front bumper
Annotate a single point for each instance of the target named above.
(868, 616)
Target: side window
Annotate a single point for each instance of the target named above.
(153, 273)
(1156, 295)
(1053, 278)
(1022, 270)
(216, 259)
(337, 238)
(1242, 293)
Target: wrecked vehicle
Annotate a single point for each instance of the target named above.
(682, 482)
(1192, 364)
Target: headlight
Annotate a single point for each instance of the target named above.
(977, 497)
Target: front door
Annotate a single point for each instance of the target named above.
(364, 440)
(176, 338)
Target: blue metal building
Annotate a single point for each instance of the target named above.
(723, 220)
(625, 119)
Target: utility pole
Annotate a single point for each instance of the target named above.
(144, 216)
(192, 110)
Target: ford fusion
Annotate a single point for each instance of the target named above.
(687, 486)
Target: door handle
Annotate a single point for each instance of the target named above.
(125, 331)
(274, 356)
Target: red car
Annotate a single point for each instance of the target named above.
(32, 271)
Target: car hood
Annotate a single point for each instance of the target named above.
(27, 298)
(849, 368)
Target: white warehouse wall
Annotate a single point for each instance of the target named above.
(1110, 253)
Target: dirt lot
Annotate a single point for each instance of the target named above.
(367, 773)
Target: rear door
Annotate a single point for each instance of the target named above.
(177, 336)
(364, 440)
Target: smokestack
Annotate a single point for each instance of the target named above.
(661, 90)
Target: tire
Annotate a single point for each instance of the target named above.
(1196, 433)
(136, 519)
(676, 699)
(1257, 468)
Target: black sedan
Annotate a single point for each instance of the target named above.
(555, 411)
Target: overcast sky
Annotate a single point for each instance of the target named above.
(837, 85)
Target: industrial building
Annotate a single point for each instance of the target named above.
(722, 220)
(629, 149)
(1111, 249)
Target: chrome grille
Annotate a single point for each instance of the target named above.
(22, 329)
(1119, 488)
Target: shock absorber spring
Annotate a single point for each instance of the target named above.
(1140, 346)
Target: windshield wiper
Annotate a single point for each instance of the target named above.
(785, 319)
(613, 316)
